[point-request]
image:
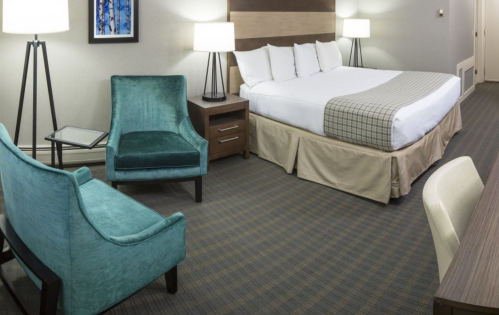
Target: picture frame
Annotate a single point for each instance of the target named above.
(113, 21)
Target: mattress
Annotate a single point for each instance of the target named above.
(301, 102)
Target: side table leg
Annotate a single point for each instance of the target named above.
(59, 155)
(52, 155)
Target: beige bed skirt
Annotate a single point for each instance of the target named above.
(359, 170)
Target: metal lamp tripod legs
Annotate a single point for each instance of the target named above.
(35, 44)
(355, 51)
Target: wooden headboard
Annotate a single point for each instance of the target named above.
(279, 23)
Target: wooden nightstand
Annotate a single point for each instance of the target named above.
(223, 124)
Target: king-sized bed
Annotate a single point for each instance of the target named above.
(294, 123)
(301, 102)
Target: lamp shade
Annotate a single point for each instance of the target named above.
(35, 16)
(214, 37)
(357, 28)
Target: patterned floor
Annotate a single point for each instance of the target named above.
(264, 242)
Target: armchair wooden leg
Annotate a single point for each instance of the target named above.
(50, 281)
(199, 189)
(5, 255)
(171, 280)
(50, 295)
(115, 186)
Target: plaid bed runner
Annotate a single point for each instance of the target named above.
(366, 118)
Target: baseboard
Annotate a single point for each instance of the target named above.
(70, 155)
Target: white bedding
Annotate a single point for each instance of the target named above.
(300, 102)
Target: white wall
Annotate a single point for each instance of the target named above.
(410, 34)
(406, 35)
(462, 31)
(81, 72)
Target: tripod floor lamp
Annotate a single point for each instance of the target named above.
(214, 38)
(356, 29)
(35, 17)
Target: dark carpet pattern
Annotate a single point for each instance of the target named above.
(264, 242)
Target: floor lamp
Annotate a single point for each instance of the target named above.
(356, 29)
(214, 38)
(35, 17)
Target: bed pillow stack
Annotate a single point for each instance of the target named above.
(286, 63)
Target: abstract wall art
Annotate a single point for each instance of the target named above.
(113, 21)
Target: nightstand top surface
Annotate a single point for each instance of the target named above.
(231, 99)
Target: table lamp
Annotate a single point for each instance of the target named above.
(356, 29)
(214, 38)
(35, 17)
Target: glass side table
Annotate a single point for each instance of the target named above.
(78, 137)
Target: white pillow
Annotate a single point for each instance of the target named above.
(306, 60)
(254, 65)
(329, 55)
(282, 62)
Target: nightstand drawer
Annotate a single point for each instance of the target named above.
(227, 129)
(227, 142)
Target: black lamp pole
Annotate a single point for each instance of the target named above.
(214, 96)
(356, 50)
(35, 44)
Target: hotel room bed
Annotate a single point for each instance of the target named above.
(367, 172)
(286, 128)
(287, 119)
(301, 102)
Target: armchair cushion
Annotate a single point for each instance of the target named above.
(155, 149)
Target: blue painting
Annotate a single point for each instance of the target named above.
(114, 21)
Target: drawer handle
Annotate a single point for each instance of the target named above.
(227, 140)
(230, 128)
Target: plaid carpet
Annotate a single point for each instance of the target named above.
(264, 242)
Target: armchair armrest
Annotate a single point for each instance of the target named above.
(111, 149)
(177, 219)
(187, 132)
(114, 139)
(82, 175)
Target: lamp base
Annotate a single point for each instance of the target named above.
(215, 97)
(356, 50)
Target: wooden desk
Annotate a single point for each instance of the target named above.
(471, 284)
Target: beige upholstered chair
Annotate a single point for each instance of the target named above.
(450, 196)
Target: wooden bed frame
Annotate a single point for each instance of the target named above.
(384, 175)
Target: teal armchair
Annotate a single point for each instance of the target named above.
(84, 244)
(151, 137)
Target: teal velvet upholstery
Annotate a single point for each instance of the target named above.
(151, 135)
(155, 149)
(102, 244)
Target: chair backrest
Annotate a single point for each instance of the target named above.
(148, 103)
(450, 195)
(38, 202)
